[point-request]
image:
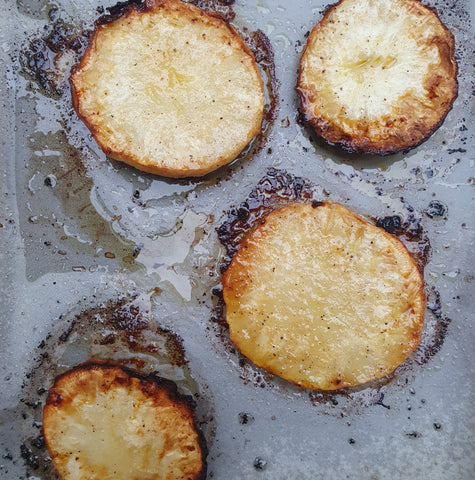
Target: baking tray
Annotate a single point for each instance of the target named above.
(101, 260)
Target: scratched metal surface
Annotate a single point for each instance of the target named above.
(75, 238)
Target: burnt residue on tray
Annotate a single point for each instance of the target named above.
(411, 233)
(278, 189)
(124, 322)
(121, 331)
(48, 58)
(435, 330)
(224, 8)
(263, 53)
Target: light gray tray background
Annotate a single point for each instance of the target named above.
(42, 290)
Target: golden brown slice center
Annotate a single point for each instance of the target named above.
(323, 298)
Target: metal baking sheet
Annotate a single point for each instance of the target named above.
(101, 260)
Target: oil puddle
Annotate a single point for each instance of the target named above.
(61, 229)
(82, 211)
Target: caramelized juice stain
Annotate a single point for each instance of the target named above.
(61, 228)
(47, 60)
(222, 7)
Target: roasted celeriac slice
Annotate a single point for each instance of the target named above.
(170, 89)
(377, 76)
(323, 298)
(103, 422)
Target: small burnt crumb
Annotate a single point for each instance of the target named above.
(381, 402)
(48, 182)
(316, 204)
(351, 441)
(391, 224)
(217, 291)
(33, 405)
(245, 418)
(243, 212)
(137, 194)
(108, 339)
(436, 209)
(38, 442)
(260, 463)
(53, 13)
(437, 426)
(413, 434)
(31, 460)
(7, 456)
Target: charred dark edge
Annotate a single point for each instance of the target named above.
(310, 122)
(169, 385)
(348, 147)
(163, 383)
(120, 9)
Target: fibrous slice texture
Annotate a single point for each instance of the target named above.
(169, 89)
(103, 422)
(323, 298)
(377, 76)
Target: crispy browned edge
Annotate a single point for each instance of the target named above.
(334, 136)
(151, 383)
(337, 383)
(124, 156)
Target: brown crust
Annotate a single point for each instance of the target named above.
(151, 386)
(395, 135)
(125, 11)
